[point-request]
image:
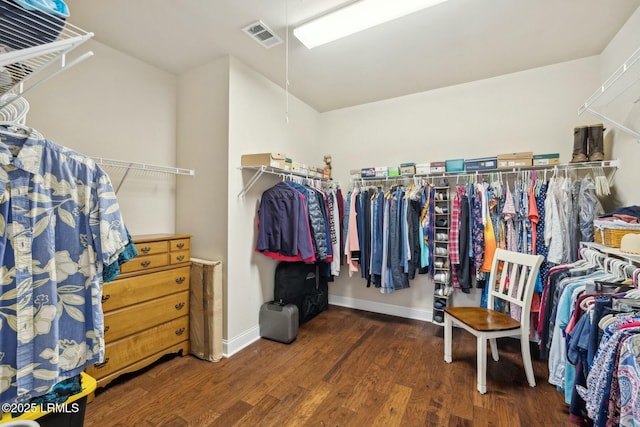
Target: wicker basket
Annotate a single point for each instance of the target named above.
(611, 236)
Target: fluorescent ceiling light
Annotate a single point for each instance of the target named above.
(356, 17)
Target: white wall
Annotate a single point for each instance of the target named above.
(623, 146)
(257, 123)
(117, 107)
(203, 139)
(534, 110)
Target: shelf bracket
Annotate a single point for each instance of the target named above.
(256, 176)
(615, 124)
(625, 80)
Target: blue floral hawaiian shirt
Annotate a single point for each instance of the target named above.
(60, 223)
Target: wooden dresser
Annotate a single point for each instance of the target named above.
(146, 309)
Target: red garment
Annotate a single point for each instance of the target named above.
(534, 218)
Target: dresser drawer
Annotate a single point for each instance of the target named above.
(132, 290)
(147, 262)
(129, 320)
(179, 244)
(179, 257)
(124, 352)
(152, 248)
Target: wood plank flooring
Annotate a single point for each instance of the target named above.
(346, 368)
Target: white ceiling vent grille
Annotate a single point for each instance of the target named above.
(262, 34)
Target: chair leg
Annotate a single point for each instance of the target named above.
(526, 358)
(448, 330)
(494, 349)
(482, 363)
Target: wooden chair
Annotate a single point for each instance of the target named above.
(512, 279)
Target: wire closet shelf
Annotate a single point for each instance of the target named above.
(34, 48)
(597, 167)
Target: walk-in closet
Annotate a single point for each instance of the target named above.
(346, 213)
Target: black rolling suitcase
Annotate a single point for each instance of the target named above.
(300, 284)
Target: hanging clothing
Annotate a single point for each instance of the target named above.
(61, 224)
(464, 269)
(477, 230)
(283, 225)
(334, 231)
(490, 244)
(509, 213)
(352, 243)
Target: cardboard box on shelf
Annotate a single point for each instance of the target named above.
(546, 159)
(423, 168)
(382, 172)
(437, 167)
(272, 160)
(454, 165)
(510, 160)
(484, 163)
(368, 172)
(394, 171)
(407, 169)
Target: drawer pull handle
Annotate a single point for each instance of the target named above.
(180, 280)
(180, 257)
(106, 329)
(179, 306)
(145, 263)
(180, 331)
(102, 364)
(105, 298)
(180, 245)
(145, 250)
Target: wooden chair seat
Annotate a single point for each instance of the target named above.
(483, 319)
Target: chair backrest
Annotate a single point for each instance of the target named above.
(512, 279)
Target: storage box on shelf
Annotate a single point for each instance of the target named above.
(546, 159)
(454, 165)
(510, 160)
(441, 268)
(610, 234)
(146, 309)
(484, 163)
(272, 160)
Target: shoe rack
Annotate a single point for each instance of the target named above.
(441, 266)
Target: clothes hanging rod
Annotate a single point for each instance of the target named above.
(615, 252)
(261, 170)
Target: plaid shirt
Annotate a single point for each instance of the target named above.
(454, 231)
(454, 238)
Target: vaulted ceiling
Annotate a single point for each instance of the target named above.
(455, 42)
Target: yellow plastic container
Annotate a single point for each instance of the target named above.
(68, 414)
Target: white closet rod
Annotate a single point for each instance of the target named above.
(261, 170)
(613, 252)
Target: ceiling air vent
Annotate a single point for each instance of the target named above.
(262, 34)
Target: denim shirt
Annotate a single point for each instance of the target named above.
(59, 224)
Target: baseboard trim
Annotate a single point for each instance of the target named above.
(382, 308)
(237, 343)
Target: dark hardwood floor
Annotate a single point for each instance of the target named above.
(346, 368)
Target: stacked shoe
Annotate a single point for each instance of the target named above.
(443, 237)
(439, 304)
(441, 277)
